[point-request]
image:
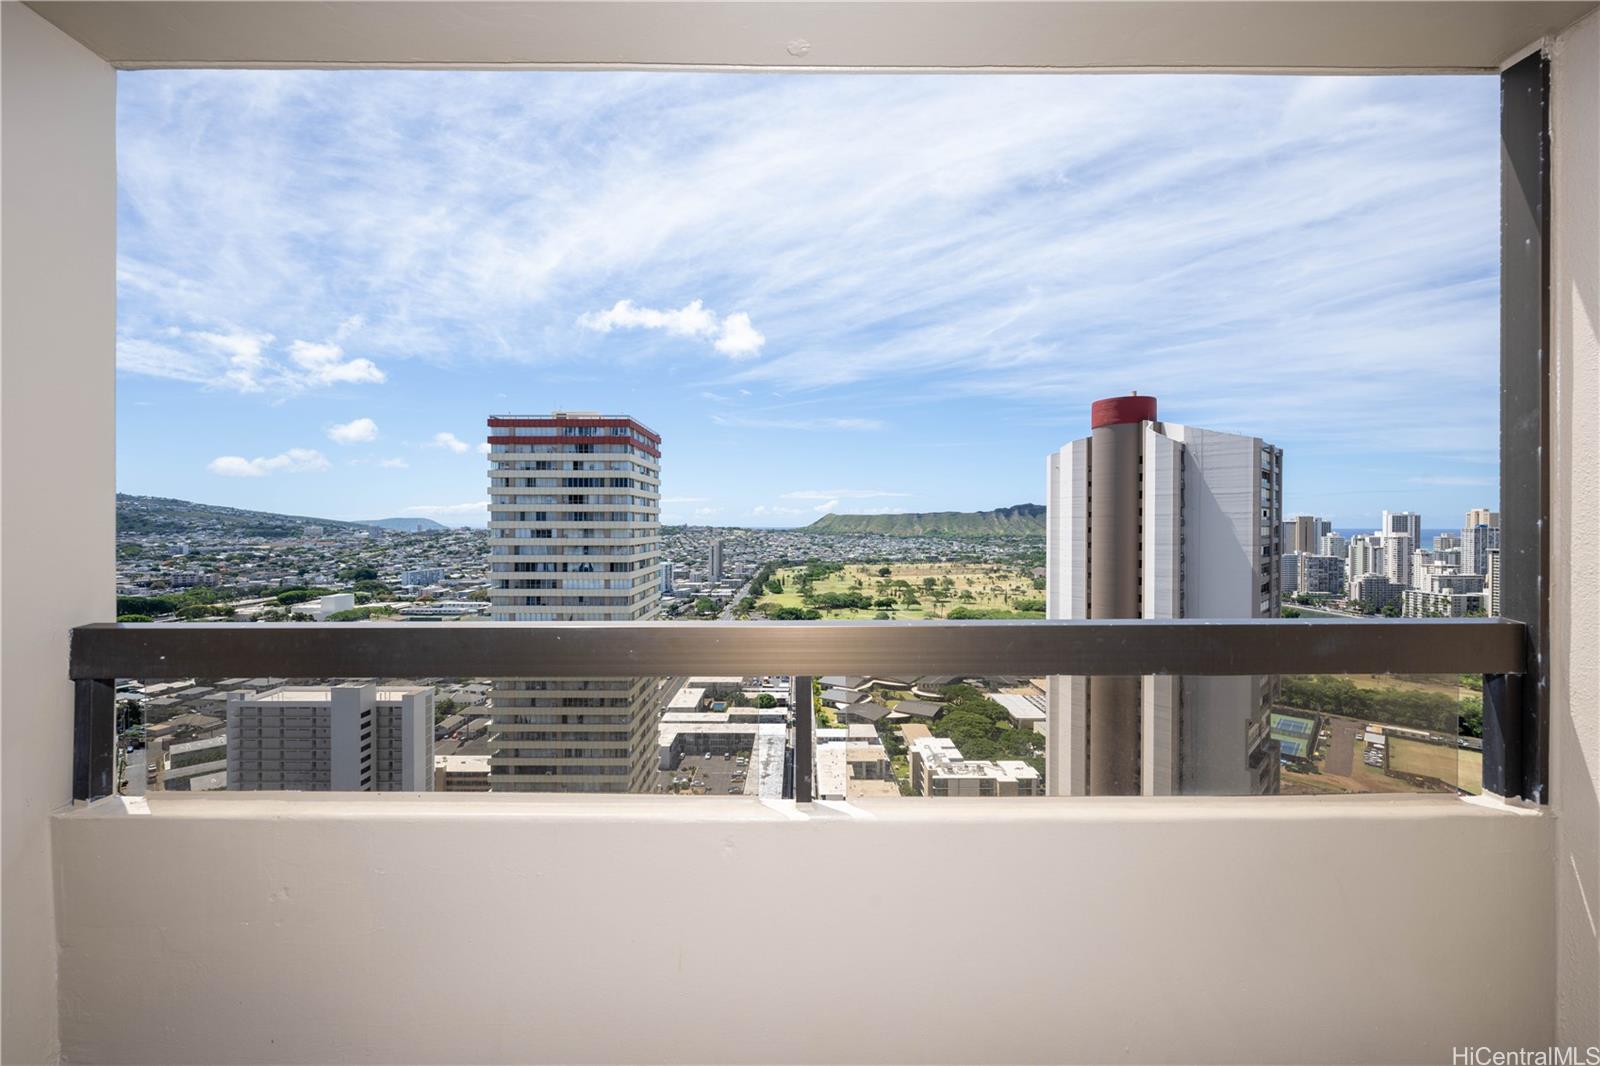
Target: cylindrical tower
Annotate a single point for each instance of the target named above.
(1115, 457)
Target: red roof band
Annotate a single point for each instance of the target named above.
(1118, 410)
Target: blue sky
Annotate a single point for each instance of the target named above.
(868, 293)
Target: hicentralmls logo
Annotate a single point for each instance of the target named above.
(1545, 1056)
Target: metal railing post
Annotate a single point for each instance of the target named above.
(805, 740)
(94, 738)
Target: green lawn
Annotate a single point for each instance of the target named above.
(988, 587)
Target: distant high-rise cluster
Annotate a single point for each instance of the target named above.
(1150, 519)
(1392, 570)
(574, 535)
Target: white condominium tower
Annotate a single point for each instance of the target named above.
(338, 738)
(1149, 519)
(574, 536)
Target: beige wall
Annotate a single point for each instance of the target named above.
(640, 929)
(271, 930)
(56, 463)
(1575, 540)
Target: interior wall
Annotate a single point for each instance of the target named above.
(459, 929)
(1575, 548)
(57, 458)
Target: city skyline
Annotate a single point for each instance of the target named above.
(851, 295)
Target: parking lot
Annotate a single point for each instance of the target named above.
(714, 775)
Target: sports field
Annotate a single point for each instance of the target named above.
(911, 590)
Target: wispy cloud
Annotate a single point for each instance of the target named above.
(356, 431)
(820, 422)
(394, 463)
(293, 461)
(684, 499)
(1012, 246)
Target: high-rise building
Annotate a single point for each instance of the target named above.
(574, 535)
(1376, 591)
(1491, 584)
(339, 738)
(1407, 522)
(1320, 574)
(716, 560)
(1397, 558)
(1482, 516)
(1333, 544)
(1308, 533)
(1365, 555)
(1149, 519)
(1476, 543)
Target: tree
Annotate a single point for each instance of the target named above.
(766, 701)
(134, 618)
(705, 605)
(1290, 612)
(884, 571)
(1390, 611)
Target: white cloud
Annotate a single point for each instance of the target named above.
(293, 461)
(823, 508)
(395, 463)
(703, 511)
(684, 499)
(840, 494)
(356, 431)
(762, 509)
(325, 364)
(738, 339)
(448, 441)
(690, 320)
(734, 336)
(245, 361)
(484, 448)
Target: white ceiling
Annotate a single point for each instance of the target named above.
(982, 34)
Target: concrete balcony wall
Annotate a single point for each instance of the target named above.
(391, 928)
(1575, 520)
(464, 929)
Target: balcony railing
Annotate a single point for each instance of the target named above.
(103, 653)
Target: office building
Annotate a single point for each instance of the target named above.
(1482, 516)
(427, 575)
(1320, 575)
(1334, 544)
(1443, 542)
(715, 567)
(574, 535)
(1175, 522)
(339, 738)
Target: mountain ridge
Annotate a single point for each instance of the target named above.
(167, 514)
(1018, 520)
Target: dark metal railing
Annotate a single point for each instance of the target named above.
(103, 653)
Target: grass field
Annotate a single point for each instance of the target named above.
(1452, 765)
(976, 586)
